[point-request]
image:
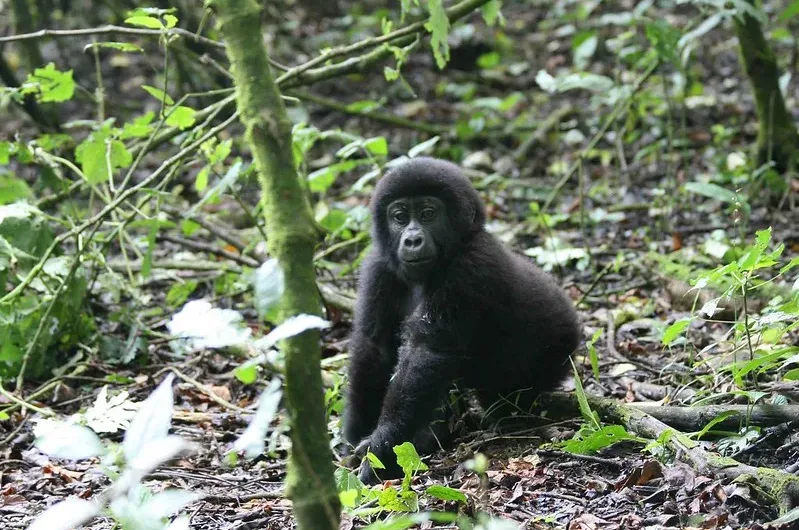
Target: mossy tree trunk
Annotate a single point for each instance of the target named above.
(292, 237)
(777, 139)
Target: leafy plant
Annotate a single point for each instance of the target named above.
(147, 444)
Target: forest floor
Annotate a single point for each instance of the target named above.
(640, 241)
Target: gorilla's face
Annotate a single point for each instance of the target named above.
(420, 233)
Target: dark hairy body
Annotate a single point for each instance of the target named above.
(441, 301)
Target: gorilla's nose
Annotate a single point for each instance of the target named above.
(413, 242)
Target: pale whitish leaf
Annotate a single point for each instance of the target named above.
(20, 210)
(423, 147)
(291, 327)
(180, 523)
(269, 284)
(204, 326)
(585, 51)
(109, 414)
(251, 442)
(168, 502)
(546, 81)
(230, 178)
(716, 249)
(713, 191)
(158, 451)
(152, 422)
(495, 523)
(66, 515)
(736, 160)
(796, 285)
(67, 440)
(710, 308)
(587, 81)
(789, 517)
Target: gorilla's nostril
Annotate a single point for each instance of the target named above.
(413, 242)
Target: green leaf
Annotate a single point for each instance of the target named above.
(349, 498)
(598, 440)
(408, 459)
(180, 292)
(13, 189)
(590, 417)
(488, 60)
(790, 11)
(201, 182)
(377, 146)
(159, 94)
(347, 480)
(751, 258)
(171, 21)
(247, 373)
(139, 128)
(145, 22)
(665, 39)
(791, 264)
(221, 152)
(592, 354)
(180, 117)
(374, 461)
(5, 149)
(97, 153)
(791, 375)
(446, 494)
(715, 421)
(398, 501)
(52, 85)
(675, 330)
(320, 180)
(438, 26)
(491, 11)
(713, 191)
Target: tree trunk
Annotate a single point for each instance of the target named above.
(777, 139)
(292, 237)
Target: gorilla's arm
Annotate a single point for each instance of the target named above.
(419, 385)
(373, 348)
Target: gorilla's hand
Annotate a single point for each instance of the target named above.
(381, 443)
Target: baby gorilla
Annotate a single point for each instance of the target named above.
(440, 302)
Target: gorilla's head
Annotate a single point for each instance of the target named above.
(422, 210)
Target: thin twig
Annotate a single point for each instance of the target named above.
(110, 28)
(122, 197)
(210, 248)
(453, 13)
(614, 114)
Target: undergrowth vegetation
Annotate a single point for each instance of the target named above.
(622, 146)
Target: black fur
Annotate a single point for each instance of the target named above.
(483, 316)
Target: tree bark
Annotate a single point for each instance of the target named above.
(292, 237)
(777, 138)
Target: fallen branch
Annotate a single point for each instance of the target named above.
(783, 488)
(695, 418)
(537, 136)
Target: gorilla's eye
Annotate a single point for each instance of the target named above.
(400, 216)
(427, 214)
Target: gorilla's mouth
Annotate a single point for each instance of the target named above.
(417, 261)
